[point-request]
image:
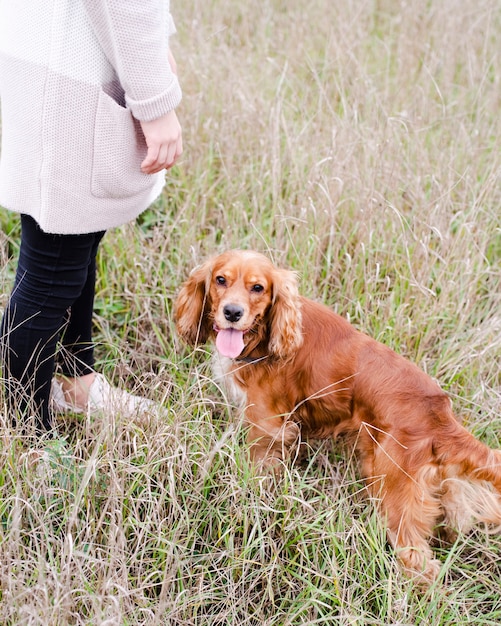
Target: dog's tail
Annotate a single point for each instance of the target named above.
(471, 485)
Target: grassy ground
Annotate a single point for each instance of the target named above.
(357, 143)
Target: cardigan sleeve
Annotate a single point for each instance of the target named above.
(134, 36)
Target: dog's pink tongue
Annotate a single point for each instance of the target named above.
(230, 342)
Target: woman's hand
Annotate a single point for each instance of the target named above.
(164, 140)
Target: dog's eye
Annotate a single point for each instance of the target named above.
(220, 280)
(257, 288)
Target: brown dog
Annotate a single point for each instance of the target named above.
(298, 367)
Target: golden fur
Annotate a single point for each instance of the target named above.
(304, 369)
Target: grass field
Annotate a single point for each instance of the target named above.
(357, 143)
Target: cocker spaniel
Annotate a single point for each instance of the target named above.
(299, 368)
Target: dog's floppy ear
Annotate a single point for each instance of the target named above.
(191, 306)
(285, 315)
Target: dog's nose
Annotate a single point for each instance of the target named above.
(233, 312)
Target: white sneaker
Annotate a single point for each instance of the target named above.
(103, 398)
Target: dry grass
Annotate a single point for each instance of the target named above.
(358, 143)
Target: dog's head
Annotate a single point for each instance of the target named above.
(243, 301)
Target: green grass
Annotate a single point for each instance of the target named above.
(358, 144)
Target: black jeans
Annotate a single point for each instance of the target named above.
(52, 300)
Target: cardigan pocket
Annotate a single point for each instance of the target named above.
(119, 149)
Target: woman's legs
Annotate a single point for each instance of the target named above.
(77, 356)
(55, 279)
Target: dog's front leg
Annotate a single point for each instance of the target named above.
(269, 438)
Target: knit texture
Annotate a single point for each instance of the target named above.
(75, 78)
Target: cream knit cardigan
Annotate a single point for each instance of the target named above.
(75, 76)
